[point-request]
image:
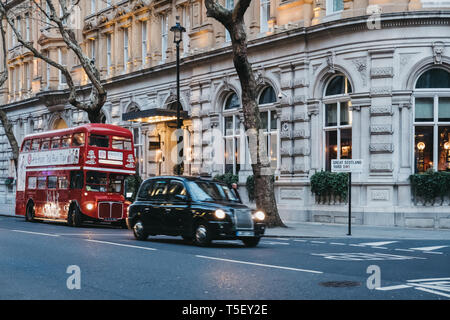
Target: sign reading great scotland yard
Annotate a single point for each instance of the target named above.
(347, 165)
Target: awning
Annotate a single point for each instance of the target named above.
(153, 115)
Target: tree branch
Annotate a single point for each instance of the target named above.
(218, 12)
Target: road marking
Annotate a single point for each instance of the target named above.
(377, 244)
(259, 264)
(120, 244)
(400, 286)
(359, 256)
(337, 243)
(90, 234)
(426, 249)
(299, 240)
(317, 242)
(275, 243)
(439, 286)
(432, 252)
(383, 248)
(37, 233)
(356, 245)
(406, 250)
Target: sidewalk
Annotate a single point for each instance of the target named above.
(324, 230)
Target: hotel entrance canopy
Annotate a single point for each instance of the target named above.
(153, 115)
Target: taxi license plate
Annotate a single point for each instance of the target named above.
(245, 234)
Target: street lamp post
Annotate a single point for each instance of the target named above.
(178, 30)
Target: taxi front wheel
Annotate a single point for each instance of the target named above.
(202, 236)
(251, 242)
(139, 231)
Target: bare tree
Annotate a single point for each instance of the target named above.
(233, 20)
(59, 22)
(3, 116)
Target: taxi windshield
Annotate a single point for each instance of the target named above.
(211, 191)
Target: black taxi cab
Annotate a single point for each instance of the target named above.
(198, 209)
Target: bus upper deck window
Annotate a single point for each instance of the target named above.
(35, 145)
(78, 139)
(65, 142)
(27, 146)
(55, 143)
(96, 140)
(121, 143)
(45, 144)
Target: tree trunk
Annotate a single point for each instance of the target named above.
(264, 183)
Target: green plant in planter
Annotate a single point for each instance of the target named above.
(429, 186)
(325, 184)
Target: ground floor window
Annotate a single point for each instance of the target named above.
(432, 134)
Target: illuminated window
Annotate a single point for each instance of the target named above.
(432, 121)
(337, 120)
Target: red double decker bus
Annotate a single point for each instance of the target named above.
(75, 174)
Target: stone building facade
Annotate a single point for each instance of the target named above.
(363, 79)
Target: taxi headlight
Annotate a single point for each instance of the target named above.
(219, 213)
(259, 215)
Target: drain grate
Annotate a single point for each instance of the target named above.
(340, 284)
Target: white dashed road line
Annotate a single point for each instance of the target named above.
(260, 264)
(37, 233)
(121, 244)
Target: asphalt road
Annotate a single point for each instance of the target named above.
(35, 257)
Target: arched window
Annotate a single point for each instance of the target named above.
(269, 123)
(432, 121)
(337, 120)
(232, 102)
(267, 96)
(231, 133)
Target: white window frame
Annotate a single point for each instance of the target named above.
(108, 53)
(93, 6)
(338, 99)
(330, 7)
(164, 37)
(234, 113)
(27, 27)
(126, 49)
(264, 16)
(61, 76)
(144, 36)
(229, 4)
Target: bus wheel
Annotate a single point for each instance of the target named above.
(75, 219)
(29, 216)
